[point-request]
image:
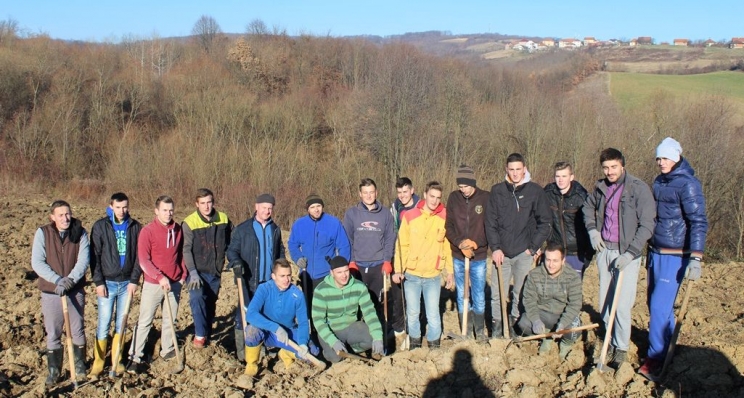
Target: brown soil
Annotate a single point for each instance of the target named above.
(709, 360)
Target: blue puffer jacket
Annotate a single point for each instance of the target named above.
(681, 223)
(317, 239)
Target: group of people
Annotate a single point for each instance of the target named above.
(352, 271)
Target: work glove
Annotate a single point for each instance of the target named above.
(559, 327)
(302, 263)
(597, 242)
(621, 262)
(193, 282)
(468, 253)
(378, 348)
(468, 244)
(538, 327)
(339, 346)
(282, 336)
(387, 268)
(693, 270)
(59, 289)
(303, 351)
(353, 266)
(68, 283)
(237, 268)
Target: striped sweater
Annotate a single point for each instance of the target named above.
(336, 308)
(560, 295)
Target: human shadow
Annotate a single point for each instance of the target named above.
(701, 371)
(461, 381)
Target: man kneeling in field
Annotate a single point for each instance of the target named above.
(552, 300)
(336, 302)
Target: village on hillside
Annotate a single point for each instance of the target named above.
(570, 43)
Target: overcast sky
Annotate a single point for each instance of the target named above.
(111, 21)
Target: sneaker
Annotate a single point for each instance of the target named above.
(545, 347)
(200, 342)
(619, 358)
(136, 367)
(650, 369)
(170, 355)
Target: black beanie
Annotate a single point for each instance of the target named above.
(313, 199)
(338, 262)
(466, 176)
(266, 198)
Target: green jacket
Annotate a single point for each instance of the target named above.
(336, 308)
(560, 295)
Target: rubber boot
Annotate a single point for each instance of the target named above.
(459, 319)
(434, 344)
(99, 355)
(479, 321)
(251, 360)
(512, 322)
(288, 357)
(240, 344)
(415, 343)
(54, 364)
(115, 346)
(471, 321)
(564, 348)
(545, 346)
(78, 352)
(497, 329)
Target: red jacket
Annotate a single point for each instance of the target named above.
(160, 252)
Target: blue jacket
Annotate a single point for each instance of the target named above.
(244, 247)
(681, 223)
(317, 239)
(271, 307)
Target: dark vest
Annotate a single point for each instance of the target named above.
(61, 254)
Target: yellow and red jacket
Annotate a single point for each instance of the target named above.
(422, 248)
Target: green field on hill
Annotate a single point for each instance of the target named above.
(634, 89)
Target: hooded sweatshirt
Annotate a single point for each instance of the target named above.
(271, 307)
(336, 308)
(424, 248)
(160, 250)
(560, 295)
(371, 234)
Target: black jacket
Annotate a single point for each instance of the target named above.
(567, 227)
(244, 247)
(517, 218)
(205, 242)
(104, 259)
(466, 220)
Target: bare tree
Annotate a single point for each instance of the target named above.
(257, 27)
(206, 30)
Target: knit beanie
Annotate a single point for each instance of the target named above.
(338, 262)
(313, 199)
(670, 149)
(466, 176)
(266, 198)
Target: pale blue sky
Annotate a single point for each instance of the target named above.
(110, 21)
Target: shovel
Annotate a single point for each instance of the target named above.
(68, 340)
(677, 328)
(608, 334)
(179, 365)
(349, 355)
(502, 296)
(466, 299)
(116, 351)
(309, 357)
(556, 334)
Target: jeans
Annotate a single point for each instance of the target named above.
(608, 274)
(117, 295)
(430, 288)
(152, 298)
(518, 266)
(578, 263)
(477, 285)
(203, 303)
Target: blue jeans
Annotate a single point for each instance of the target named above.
(477, 285)
(117, 294)
(203, 303)
(430, 288)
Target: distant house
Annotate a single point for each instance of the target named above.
(737, 42)
(588, 41)
(633, 42)
(709, 43)
(548, 42)
(525, 45)
(681, 42)
(569, 43)
(645, 40)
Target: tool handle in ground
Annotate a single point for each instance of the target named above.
(68, 340)
(179, 364)
(608, 333)
(677, 328)
(556, 333)
(385, 286)
(466, 298)
(315, 361)
(502, 297)
(116, 351)
(241, 300)
(349, 355)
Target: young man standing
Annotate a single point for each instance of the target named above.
(466, 232)
(338, 301)
(254, 246)
(116, 273)
(206, 234)
(277, 314)
(619, 216)
(517, 225)
(424, 253)
(566, 198)
(552, 300)
(406, 200)
(676, 247)
(60, 256)
(160, 250)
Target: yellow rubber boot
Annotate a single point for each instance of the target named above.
(288, 357)
(99, 354)
(115, 346)
(251, 360)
